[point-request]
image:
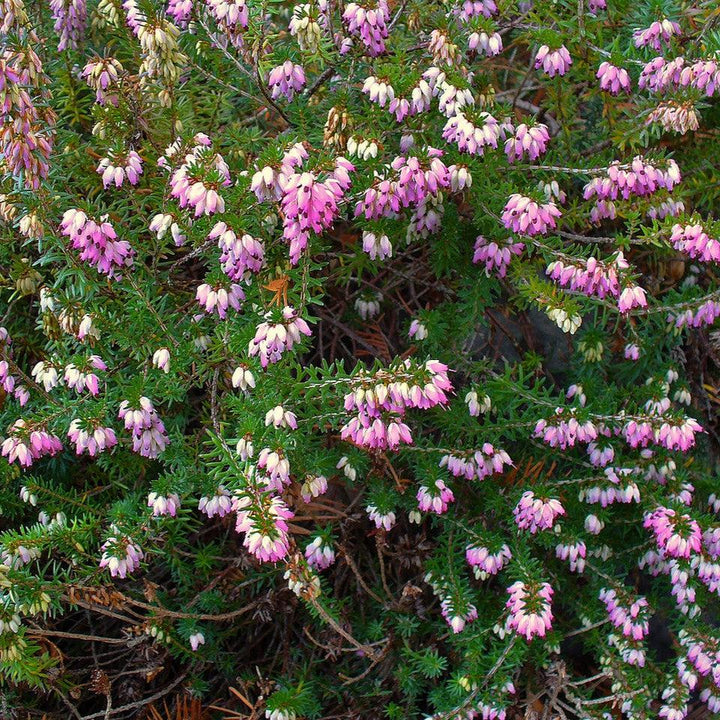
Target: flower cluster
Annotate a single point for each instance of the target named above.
(148, 430)
(272, 339)
(530, 609)
(524, 216)
(97, 242)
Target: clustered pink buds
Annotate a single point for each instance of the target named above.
(163, 504)
(564, 430)
(240, 256)
(496, 254)
(285, 80)
(219, 503)
(26, 445)
(273, 339)
(197, 181)
(92, 438)
(412, 185)
(81, 380)
(524, 216)
(530, 609)
(630, 617)
(121, 556)
(613, 79)
(377, 247)
(263, 518)
(311, 205)
(705, 314)
(98, 243)
(553, 62)
(455, 620)
(382, 518)
(219, 299)
(659, 31)
(474, 8)
(530, 139)
(592, 276)
(101, 74)
(369, 23)
(70, 19)
(537, 513)
(148, 430)
(485, 562)
(477, 464)
(320, 554)
(674, 116)
(676, 535)
(275, 467)
(638, 179)
(381, 401)
(673, 434)
(473, 133)
(119, 166)
(435, 498)
(693, 240)
(491, 44)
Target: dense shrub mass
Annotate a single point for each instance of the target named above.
(357, 358)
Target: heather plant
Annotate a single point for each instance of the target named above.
(358, 359)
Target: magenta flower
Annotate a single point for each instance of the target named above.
(148, 430)
(286, 80)
(273, 339)
(477, 464)
(574, 553)
(70, 19)
(496, 255)
(163, 504)
(369, 23)
(26, 446)
(693, 240)
(435, 498)
(220, 503)
(659, 32)
(485, 562)
(97, 242)
(676, 535)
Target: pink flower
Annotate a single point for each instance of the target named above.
(119, 167)
(435, 498)
(659, 31)
(148, 430)
(676, 535)
(633, 296)
(693, 240)
(573, 552)
(70, 19)
(530, 609)
(263, 518)
(496, 254)
(196, 640)
(273, 339)
(382, 518)
(532, 140)
(630, 617)
(219, 503)
(26, 446)
(97, 242)
(121, 556)
(163, 504)
(478, 464)
(524, 216)
(219, 299)
(553, 62)
(320, 554)
(533, 513)
(285, 80)
(485, 562)
(491, 44)
(369, 23)
(613, 79)
(94, 439)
